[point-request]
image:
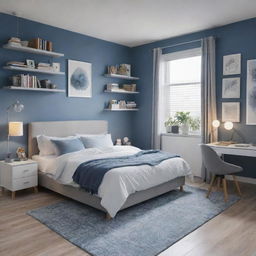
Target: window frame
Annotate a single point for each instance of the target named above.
(175, 56)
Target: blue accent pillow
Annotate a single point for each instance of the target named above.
(68, 145)
(97, 141)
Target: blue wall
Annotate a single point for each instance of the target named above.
(42, 106)
(238, 37)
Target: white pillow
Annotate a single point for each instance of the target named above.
(46, 147)
(97, 141)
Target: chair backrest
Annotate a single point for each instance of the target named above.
(211, 160)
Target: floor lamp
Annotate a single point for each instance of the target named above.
(14, 128)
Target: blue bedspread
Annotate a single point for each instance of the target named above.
(89, 175)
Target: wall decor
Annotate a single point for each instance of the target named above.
(251, 93)
(79, 79)
(232, 64)
(231, 111)
(30, 63)
(231, 88)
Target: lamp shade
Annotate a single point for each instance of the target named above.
(228, 125)
(216, 123)
(15, 128)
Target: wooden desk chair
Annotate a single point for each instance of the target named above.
(215, 165)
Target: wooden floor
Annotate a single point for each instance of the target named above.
(232, 233)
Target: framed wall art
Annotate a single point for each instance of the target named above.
(79, 79)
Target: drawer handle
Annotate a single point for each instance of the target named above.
(25, 182)
(26, 170)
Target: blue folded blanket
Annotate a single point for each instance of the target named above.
(89, 175)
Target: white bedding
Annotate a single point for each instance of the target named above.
(118, 183)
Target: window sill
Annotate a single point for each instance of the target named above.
(181, 135)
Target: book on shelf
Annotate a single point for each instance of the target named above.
(16, 64)
(25, 81)
(42, 44)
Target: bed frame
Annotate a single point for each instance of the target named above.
(66, 128)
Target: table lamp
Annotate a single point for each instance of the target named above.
(14, 128)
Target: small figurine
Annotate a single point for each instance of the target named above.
(21, 154)
(126, 141)
(118, 142)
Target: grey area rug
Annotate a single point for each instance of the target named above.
(142, 230)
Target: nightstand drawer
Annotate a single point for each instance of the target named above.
(23, 183)
(23, 171)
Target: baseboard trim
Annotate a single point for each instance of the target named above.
(242, 179)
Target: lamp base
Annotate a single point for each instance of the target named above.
(8, 158)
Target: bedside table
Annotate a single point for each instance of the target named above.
(18, 175)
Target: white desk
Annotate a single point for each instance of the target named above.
(238, 151)
(234, 150)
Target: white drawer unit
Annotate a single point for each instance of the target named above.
(18, 175)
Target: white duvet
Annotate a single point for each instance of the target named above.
(119, 183)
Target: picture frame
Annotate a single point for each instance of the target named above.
(56, 66)
(31, 63)
(79, 79)
(251, 92)
(231, 112)
(232, 64)
(231, 88)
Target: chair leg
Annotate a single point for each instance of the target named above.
(218, 182)
(211, 185)
(225, 190)
(237, 185)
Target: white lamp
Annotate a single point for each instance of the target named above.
(15, 129)
(216, 123)
(228, 125)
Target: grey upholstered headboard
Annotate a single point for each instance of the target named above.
(62, 129)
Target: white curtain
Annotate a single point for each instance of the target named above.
(209, 111)
(158, 108)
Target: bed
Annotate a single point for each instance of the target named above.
(67, 128)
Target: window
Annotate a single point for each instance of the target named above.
(183, 83)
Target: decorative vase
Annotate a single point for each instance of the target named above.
(168, 129)
(184, 129)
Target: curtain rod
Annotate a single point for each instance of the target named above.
(173, 45)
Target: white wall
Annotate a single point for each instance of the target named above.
(185, 146)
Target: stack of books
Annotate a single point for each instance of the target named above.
(131, 104)
(44, 66)
(41, 44)
(25, 81)
(14, 41)
(16, 64)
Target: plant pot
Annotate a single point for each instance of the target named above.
(184, 129)
(168, 129)
(175, 129)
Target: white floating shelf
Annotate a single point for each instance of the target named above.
(123, 92)
(33, 89)
(33, 50)
(122, 109)
(33, 70)
(121, 76)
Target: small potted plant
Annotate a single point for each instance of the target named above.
(186, 122)
(172, 125)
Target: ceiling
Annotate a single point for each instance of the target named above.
(132, 22)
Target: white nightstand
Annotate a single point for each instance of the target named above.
(18, 175)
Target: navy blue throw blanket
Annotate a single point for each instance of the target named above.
(89, 175)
